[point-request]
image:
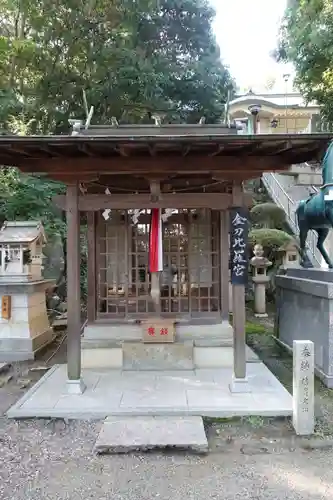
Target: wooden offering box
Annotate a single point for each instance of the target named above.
(158, 330)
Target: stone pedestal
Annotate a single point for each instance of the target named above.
(260, 284)
(304, 299)
(27, 329)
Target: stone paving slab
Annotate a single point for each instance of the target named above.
(202, 392)
(143, 433)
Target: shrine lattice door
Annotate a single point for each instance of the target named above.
(190, 280)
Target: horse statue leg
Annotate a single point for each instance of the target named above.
(322, 235)
(303, 233)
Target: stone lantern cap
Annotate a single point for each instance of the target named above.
(21, 232)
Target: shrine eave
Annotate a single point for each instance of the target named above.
(291, 148)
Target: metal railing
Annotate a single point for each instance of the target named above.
(289, 206)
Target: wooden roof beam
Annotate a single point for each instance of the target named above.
(149, 166)
(8, 150)
(219, 149)
(278, 149)
(50, 151)
(96, 202)
(122, 151)
(186, 150)
(86, 150)
(152, 149)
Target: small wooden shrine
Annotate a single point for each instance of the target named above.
(190, 177)
(21, 250)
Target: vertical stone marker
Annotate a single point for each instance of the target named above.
(303, 387)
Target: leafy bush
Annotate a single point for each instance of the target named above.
(268, 215)
(270, 239)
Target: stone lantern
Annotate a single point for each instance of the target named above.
(290, 255)
(24, 324)
(260, 280)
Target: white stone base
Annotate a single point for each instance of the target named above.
(239, 385)
(75, 386)
(203, 357)
(118, 393)
(23, 349)
(261, 315)
(102, 358)
(211, 346)
(28, 329)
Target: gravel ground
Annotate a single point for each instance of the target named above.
(250, 459)
(52, 459)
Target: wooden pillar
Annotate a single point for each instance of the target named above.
(224, 264)
(91, 264)
(75, 384)
(239, 382)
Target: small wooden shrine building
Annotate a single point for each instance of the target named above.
(117, 174)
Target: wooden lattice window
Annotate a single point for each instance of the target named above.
(190, 280)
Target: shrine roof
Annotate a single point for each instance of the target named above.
(163, 141)
(21, 232)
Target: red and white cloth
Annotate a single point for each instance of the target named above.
(155, 241)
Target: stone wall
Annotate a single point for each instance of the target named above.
(305, 312)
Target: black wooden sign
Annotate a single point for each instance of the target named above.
(239, 230)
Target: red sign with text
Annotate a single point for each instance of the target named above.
(158, 330)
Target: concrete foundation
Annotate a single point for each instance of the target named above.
(305, 312)
(196, 346)
(118, 393)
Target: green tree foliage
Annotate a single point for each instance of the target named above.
(23, 197)
(132, 58)
(268, 229)
(268, 215)
(306, 40)
(270, 239)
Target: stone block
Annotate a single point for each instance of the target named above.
(28, 329)
(138, 356)
(20, 349)
(213, 357)
(303, 387)
(128, 434)
(111, 358)
(219, 357)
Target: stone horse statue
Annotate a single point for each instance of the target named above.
(317, 212)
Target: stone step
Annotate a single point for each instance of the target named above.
(139, 356)
(142, 433)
